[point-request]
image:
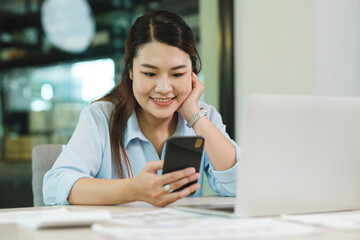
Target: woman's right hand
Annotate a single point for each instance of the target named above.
(149, 187)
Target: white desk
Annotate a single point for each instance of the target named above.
(12, 232)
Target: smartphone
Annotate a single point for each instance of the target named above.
(183, 152)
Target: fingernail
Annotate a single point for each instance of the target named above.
(190, 170)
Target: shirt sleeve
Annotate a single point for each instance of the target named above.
(80, 158)
(221, 182)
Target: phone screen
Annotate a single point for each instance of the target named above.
(183, 152)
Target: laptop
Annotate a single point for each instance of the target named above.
(300, 154)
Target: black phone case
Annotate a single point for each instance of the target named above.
(183, 152)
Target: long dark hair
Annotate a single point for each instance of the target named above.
(162, 26)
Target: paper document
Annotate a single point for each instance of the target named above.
(173, 224)
(150, 218)
(11, 217)
(345, 221)
(61, 218)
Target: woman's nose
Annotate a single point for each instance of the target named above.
(163, 85)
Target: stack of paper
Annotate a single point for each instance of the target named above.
(61, 218)
(345, 221)
(173, 224)
(9, 217)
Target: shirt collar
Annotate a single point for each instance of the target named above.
(133, 131)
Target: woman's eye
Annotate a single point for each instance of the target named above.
(178, 74)
(149, 74)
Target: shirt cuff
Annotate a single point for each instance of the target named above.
(226, 176)
(229, 175)
(65, 185)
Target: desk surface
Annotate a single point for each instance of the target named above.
(11, 231)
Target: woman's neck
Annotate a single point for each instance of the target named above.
(157, 130)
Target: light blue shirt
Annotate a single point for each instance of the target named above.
(88, 154)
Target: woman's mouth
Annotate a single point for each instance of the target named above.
(162, 101)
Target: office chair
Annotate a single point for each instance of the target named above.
(43, 158)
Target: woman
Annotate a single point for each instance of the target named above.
(114, 154)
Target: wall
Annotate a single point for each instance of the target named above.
(338, 47)
(296, 47)
(209, 43)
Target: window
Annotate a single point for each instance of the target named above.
(42, 104)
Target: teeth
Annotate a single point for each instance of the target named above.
(162, 100)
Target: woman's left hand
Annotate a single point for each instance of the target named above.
(190, 106)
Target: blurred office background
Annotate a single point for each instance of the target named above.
(56, 59)
(57, 56)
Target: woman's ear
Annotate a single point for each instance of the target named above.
(131, 74)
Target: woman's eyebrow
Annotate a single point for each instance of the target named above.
(155, 67)
(148, 66)
(178, 67)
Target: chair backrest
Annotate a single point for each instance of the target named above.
(43, 158)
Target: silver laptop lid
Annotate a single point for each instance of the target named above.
(300, 154)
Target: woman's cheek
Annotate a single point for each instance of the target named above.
(188, 88)
(189, 83)
(142, 86)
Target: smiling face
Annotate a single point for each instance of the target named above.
(161, 76)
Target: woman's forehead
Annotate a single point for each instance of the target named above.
(161, 55)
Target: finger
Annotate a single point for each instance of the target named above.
(184, 181)
(170, 187)
(174, 196)
(154, 166)
(189, 190)
(195, 77)
(197, 84)
(176, 175)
